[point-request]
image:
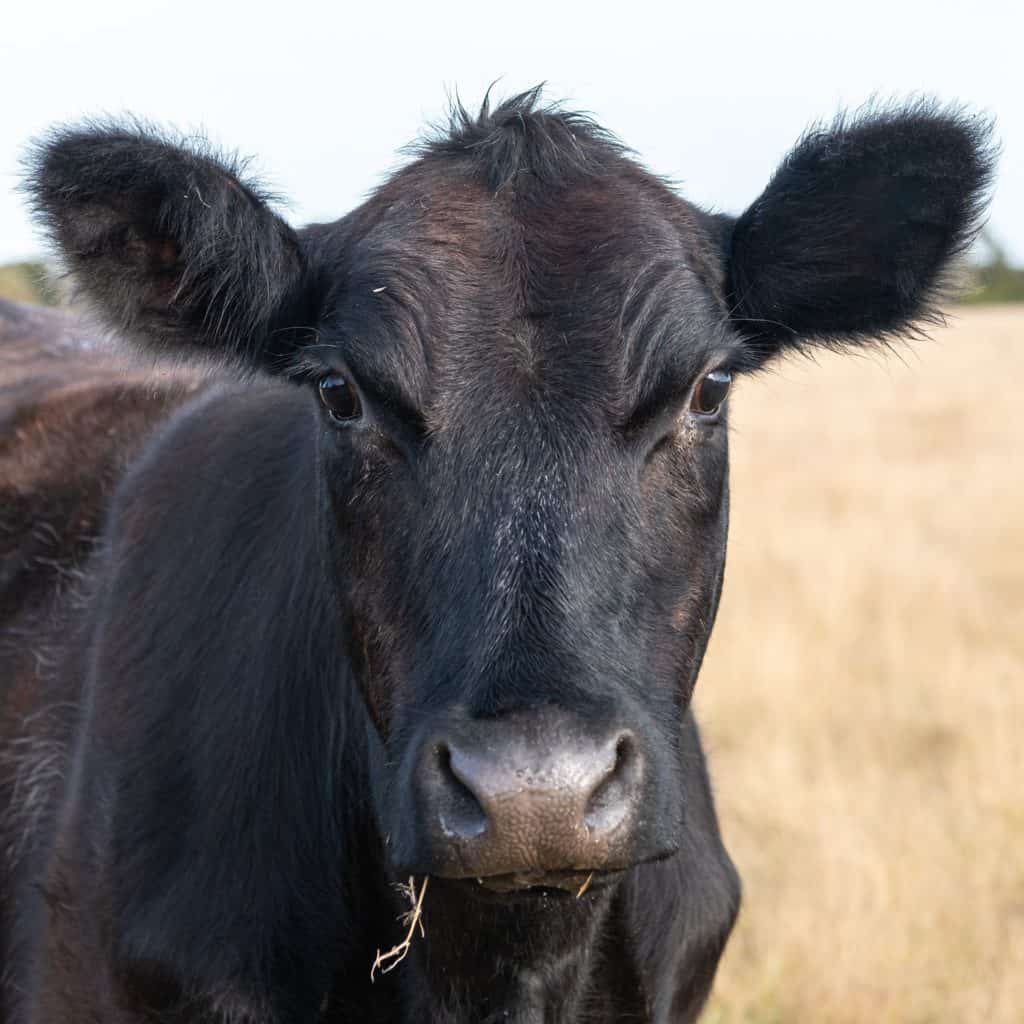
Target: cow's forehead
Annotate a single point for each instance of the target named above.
(463, 288)
(610, 222)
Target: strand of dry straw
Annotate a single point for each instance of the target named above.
(414, 919)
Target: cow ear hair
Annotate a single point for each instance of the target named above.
(165, 238)
(857, 234)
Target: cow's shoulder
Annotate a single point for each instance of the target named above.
(238, 461)
(218, 679)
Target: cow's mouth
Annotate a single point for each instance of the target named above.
(546, 883)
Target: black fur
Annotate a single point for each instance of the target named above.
(164, 237)
(520, 136)
(211, 737)
(855, 235)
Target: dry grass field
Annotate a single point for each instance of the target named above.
(863, 697)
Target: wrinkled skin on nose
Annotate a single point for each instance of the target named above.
(531, 795)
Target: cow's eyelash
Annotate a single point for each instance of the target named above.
(668, 399)
(308, 365)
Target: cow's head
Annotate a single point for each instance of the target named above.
(521, 348)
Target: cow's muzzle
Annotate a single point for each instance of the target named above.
(531, 799)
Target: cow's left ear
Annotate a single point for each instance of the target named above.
(856, 233)
(166, 239)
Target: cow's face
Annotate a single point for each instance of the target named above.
(523, 405)
(522, 349)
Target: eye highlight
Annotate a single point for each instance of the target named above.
(710, 392)
(340, 398)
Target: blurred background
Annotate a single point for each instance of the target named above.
(863, 696)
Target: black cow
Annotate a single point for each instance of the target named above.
(406, 574)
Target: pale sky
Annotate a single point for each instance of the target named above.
(323, 95)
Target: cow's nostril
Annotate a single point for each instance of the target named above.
(461, 814)
(613, 797)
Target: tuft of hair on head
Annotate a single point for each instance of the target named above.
(523, 135)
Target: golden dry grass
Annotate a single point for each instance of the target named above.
(17, 285)
(863, 697)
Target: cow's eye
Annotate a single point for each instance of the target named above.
(340, 398)
(710, 392)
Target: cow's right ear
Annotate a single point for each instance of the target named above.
(167, 241)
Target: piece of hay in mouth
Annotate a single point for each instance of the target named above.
(413, 918)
